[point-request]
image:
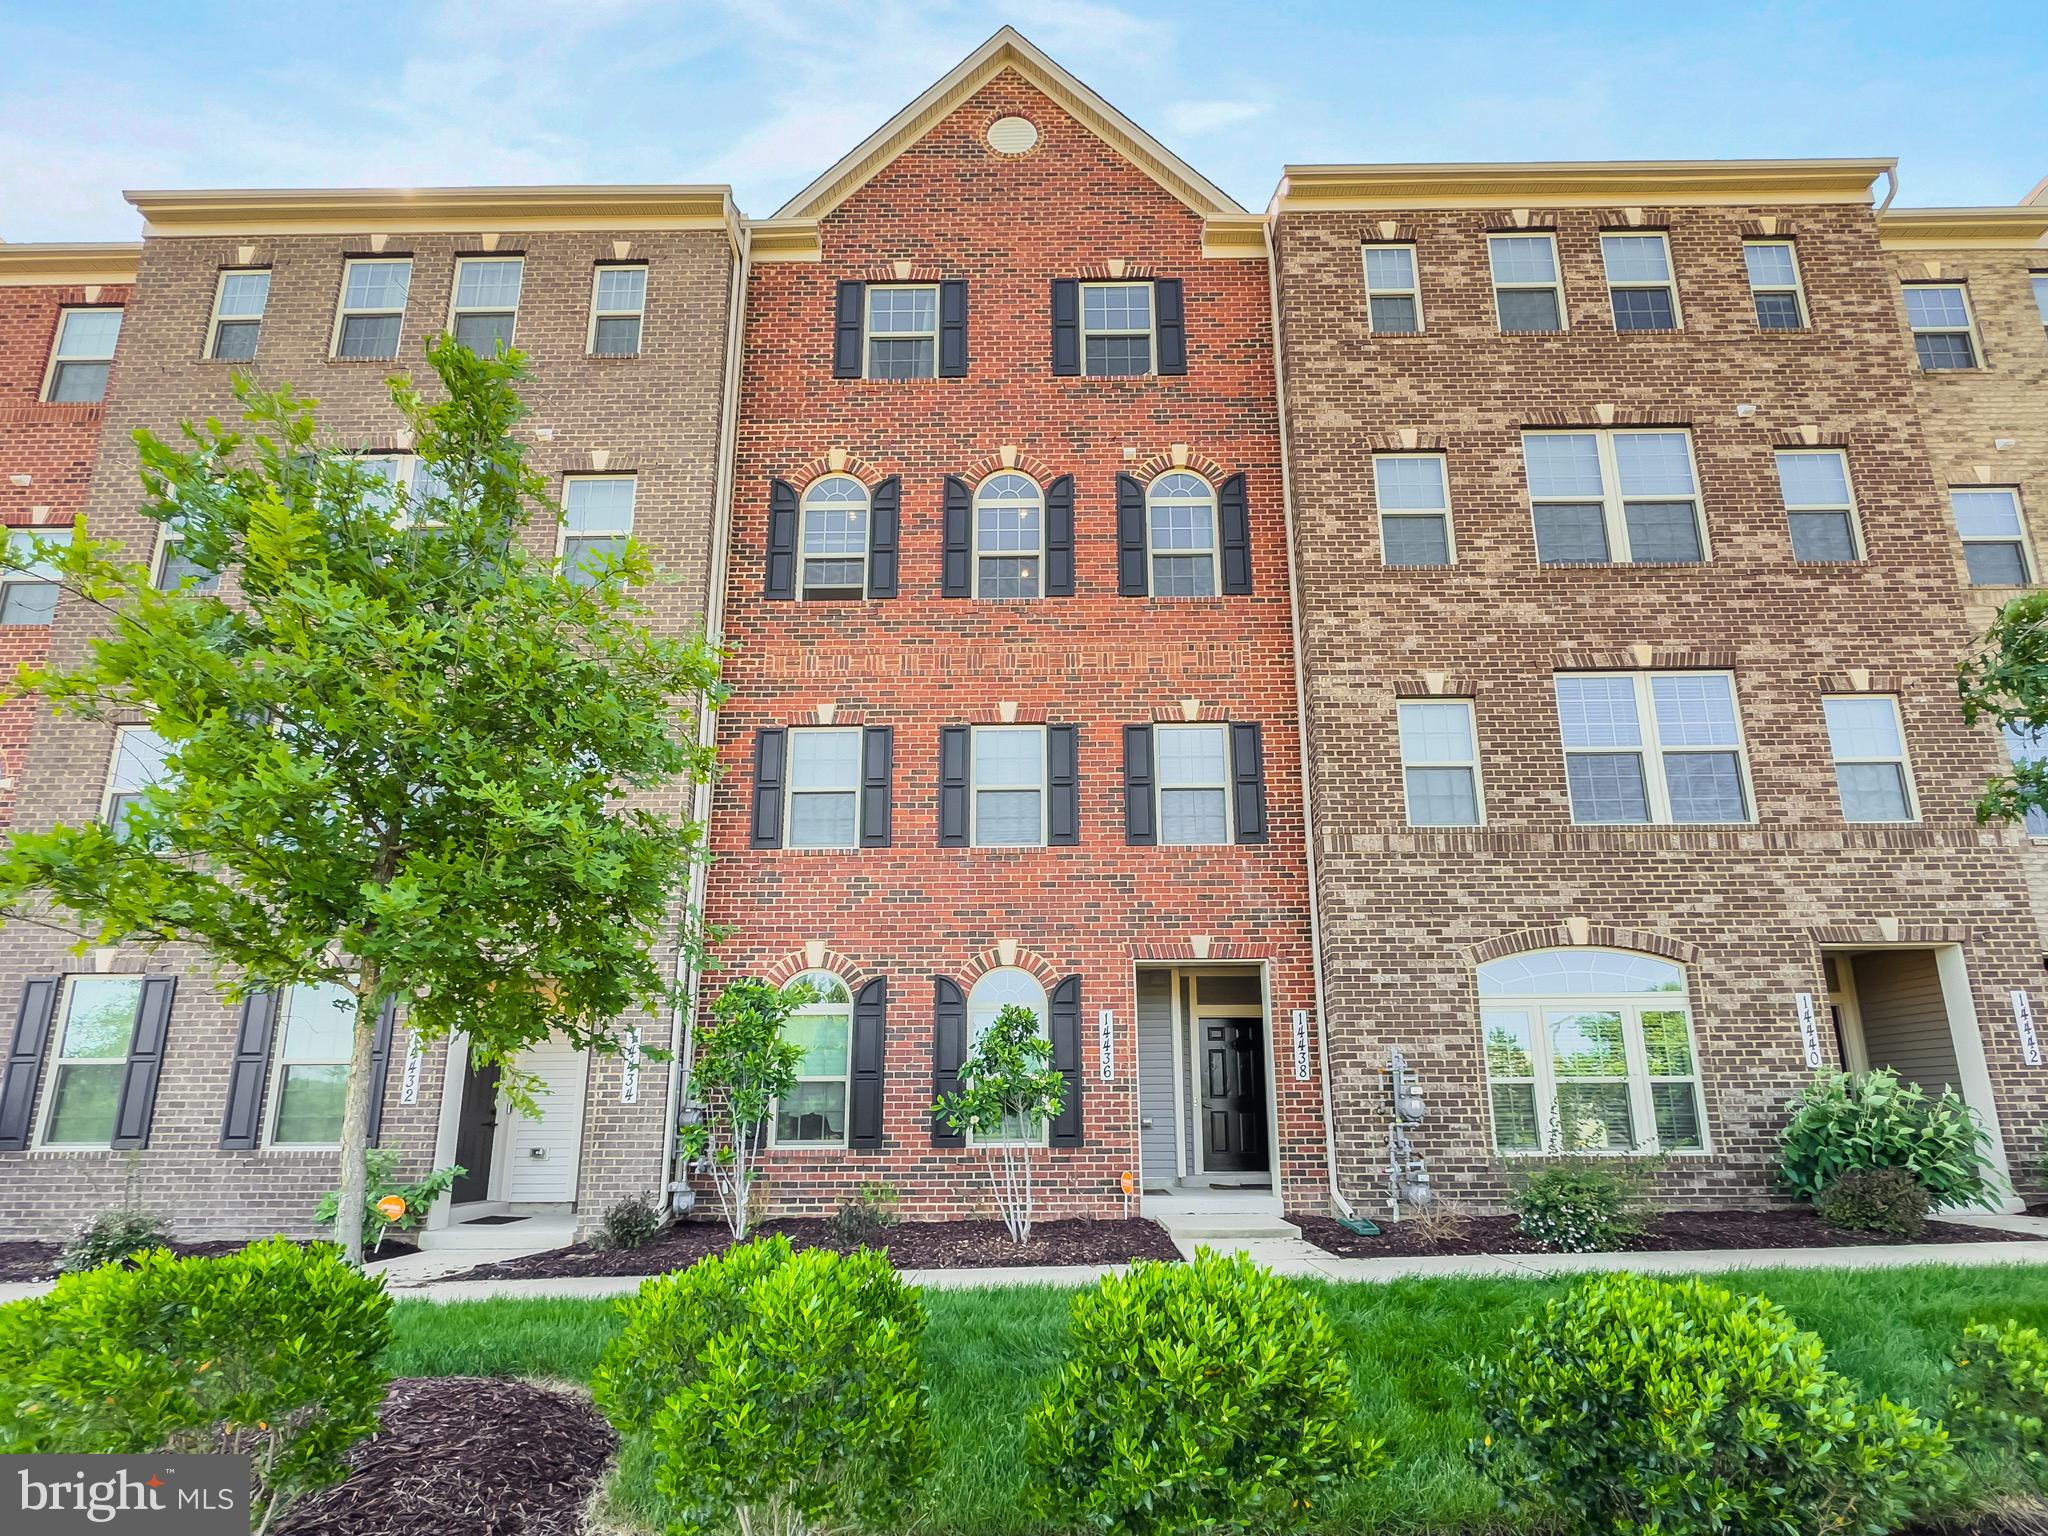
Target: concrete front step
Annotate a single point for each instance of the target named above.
(1225, 1228)
(531, 1234)
(1203, 1205)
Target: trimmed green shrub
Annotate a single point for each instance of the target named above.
(633, 1222)
(1998, 1391)
(1875, 1121)
(273, 1350)
(1195, 1397)
(112, 1236)
(779, 1391)
(1888, 1200)
(1573, 1204)
(1641, 1405)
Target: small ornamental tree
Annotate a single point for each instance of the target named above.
(2006, 683)
(1008, 1094)
(403, 753)
(742, 1066)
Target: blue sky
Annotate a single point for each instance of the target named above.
(97, 97)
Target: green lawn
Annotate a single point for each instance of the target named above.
(988, 1352)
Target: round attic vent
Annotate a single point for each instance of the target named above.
(1012, 135)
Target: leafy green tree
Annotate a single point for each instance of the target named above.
(404, 755)
(742, 1066)
(1008, 1094)
(2006, 683)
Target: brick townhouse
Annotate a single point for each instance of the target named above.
(1630, 604)
(621, 298)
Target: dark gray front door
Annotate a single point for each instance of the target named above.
(476, 1132)
(1233, 1095)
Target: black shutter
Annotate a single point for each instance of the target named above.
(1248, 782)
(1130, 538)
(25, 1058)
(1234, 518)
(864, 1090)
(846, 330)
(781, 579)
(241, 1128)
(885, 518)
(877, 768)
(949, 1049)
(770, 750)
(1063, 785)
(953, 786)
(1059, 537)
(380, 1065)
(1141, 826)
(1066, 326)
(1066, 1060)
(953, 330)
(145, 1064)
(1172, 328)
(957, 579)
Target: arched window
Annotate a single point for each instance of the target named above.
(1182, 512)
(1590, 1050)
(1009, 536)
(813, 1113)
(996, 991)
(834, 539)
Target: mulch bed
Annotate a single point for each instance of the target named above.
(466, 1456)
(909, 1244)
(1669, 1232)
(30, 1260)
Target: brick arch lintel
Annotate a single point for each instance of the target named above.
(849, 464)
(1830, 935)
(991, 959)
(1018, 462)
(1595, 936)
(1145, 471)
(795, 963)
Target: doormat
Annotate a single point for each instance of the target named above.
(492, 1221)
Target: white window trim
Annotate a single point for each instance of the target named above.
(789, 797)
(402, 482)
(1154, 554)
(9, 576)
(1415, 292)
(2012, 762)
(1471, 709)
(975, 786)
(1556, 285)
(869, 335)
(1849, 507)
(1151, 334)
(273, 1082)
(342, 311)
(54, 1060)
(213, 323)
(456, 308)
(1613, 503)
(844, 1080)
(976, 552)
(1224, 784)
(562, 533)
(1969, 326)
(596, 280)
(1651, 748)
(1383, 513)
(1797, 290)
(108, 793)
(2031, 569)
(56, 356)
(1669, 285)
(1044, 1136)
(803, 507)
(1904, 761)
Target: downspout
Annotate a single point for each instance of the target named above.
(1308, 818)
(1891, 187)
(682, 1027)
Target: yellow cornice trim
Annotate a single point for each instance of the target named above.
(432, 210)
(784, 240)
(1234, 236)
(67, 266)
(1935, 229)
(1570, 184)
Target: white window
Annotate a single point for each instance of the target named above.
(903, 332)
(1440, 763)
(1181, 509)
(28, 586)
(95, 1028)
(1652, 747)
(834, 540)
(1009, 536)
(824, 788)
(173, 568)
(1994, 535)
(1411, 493)
(1116, 329)
(1009, 786)
(1000, 989)
(1393, 299)
(238, 305)
(2028, 747)
(485, 311)
(1527, 294)
(2041, 296)
(309, 1078)
(83, 356)
(1194, 783)
(407, 483)
(597, 519)
(618, 303)
(1614, 496)
(373, 295)
(1820, 509)
(813, 1113)
(1774, 284)
(139, 761)
(1869, 750)
(1639, 283)
(1590, 1050)
(1944, 335)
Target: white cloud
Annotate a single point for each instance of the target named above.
(1193, 117)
